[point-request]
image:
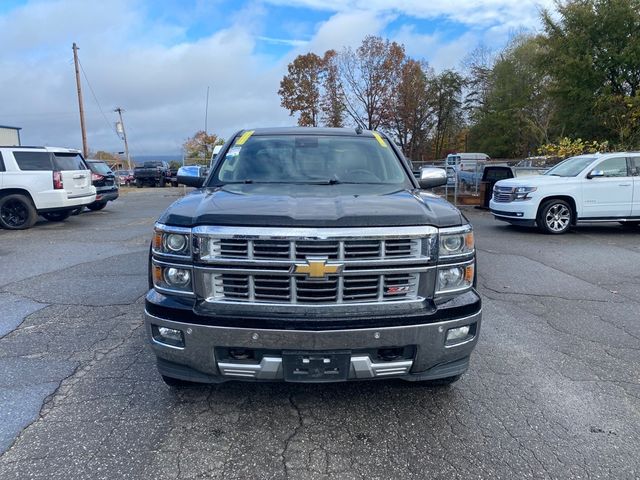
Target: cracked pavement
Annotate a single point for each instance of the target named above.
(553, 390)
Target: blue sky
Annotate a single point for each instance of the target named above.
(155, 58)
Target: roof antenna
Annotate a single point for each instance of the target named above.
(359, 130)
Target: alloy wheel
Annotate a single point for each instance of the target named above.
(14, 213)
(558, 217)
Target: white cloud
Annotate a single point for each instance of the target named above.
(284, 41)
(160, 84)
(468, 12)
(347, 29)
(151, 69)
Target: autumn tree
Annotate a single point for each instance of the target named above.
(517, 111)
(446, 103)
(102, 155)
(369, 77)
(332, 99)
(300, 89)
(411, 119)
(199, 148)
(478, 66)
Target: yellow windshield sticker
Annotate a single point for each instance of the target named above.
(379, 138)
(245, 136)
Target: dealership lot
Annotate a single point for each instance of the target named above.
(553, 390)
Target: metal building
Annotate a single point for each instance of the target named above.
(9, 136)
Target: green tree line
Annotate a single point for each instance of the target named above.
(576, 83)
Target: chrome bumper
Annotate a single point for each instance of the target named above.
(270, 368)
(197, 355)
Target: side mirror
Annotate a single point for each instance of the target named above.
(432, 177)
(191, 176)
(595, 173)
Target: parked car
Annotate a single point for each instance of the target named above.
(47, 181)
(105, 182)
(312, 255)
(173, 176)
(125, 177)
(586, 188)
(152, 174)
(492, 174)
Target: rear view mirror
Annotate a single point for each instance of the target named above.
(595, 173)
(432, 177)
(191, 176)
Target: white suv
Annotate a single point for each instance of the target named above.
(48, 181)
(586, 188)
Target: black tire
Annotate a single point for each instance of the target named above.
(139, 184)
(177, 383)
(161, 184)
(57, 216)
(95, 206)
(555, 217)
(17, 212)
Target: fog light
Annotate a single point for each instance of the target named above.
(177, 277)
(458, 333)
(169, 336)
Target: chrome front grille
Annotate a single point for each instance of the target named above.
(333, 289)
(262, 265)
(503, 194)
(300, 249)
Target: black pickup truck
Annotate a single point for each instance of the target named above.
(152, 174)
(312, 255)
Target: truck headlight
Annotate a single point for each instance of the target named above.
(457, 241)
(522, 193)
(171, 240)
(172, 279)
(455, 278)
(176, 242)
(177, 277)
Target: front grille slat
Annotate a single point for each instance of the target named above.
(503, 194)
(278, 284)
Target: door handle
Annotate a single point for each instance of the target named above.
(78, 176)
(624, 184)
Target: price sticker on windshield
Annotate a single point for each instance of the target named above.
(244, 137)
(379, 139)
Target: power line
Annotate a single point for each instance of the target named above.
(106, 120)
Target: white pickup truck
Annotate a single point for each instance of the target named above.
(46, 181)
(586, 188)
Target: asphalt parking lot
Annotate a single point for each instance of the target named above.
(553, 390)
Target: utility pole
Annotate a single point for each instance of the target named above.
(206, 112)
(85, 148)
(124, 136)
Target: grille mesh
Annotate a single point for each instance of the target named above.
(289, 289)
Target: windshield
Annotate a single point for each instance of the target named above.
(99, 167)
(571, 166)
(310, 159)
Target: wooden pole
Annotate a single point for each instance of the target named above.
(85, 148)
(124, 136)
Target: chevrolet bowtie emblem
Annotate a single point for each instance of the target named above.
(317, 269)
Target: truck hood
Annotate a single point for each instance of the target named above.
(286, 205)
(535, 181)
